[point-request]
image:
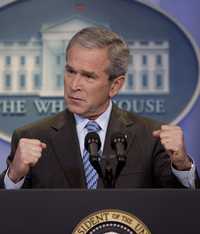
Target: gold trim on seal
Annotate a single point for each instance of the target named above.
(111, 215)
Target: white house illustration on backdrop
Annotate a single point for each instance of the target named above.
(36, 66)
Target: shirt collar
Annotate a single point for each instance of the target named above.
(102, 120)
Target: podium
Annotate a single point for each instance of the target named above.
(163, 211)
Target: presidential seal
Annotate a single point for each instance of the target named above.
(111, 222)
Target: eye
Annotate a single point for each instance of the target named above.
(89, 76)
(70, 70)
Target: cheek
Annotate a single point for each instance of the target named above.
(66, 83)
(99, 94)
(66, 80)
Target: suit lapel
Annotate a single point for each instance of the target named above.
(66, 146)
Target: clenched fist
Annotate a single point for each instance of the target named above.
(27, 155)
(172, 139)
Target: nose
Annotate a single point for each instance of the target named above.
(75, 83)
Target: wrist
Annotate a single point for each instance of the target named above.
(184, 165)
(13, 176)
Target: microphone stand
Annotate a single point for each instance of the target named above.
(121, 162)
(94, 160)
(108, 178)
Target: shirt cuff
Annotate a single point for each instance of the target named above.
(9, 184)
(187, 178)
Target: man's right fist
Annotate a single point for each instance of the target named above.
(27, 155)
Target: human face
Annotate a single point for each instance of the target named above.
(87, 87)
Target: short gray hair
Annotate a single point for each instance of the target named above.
(101, 37)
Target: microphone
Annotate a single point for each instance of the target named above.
(93, 145)
(119, 145)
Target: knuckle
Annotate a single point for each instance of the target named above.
(21, 142)
(163, 127)
(37, 141)
(39, 149)
(163, 141)
(162, 135)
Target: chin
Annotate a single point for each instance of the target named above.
(75, 110)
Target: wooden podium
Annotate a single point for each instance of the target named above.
(59, 211)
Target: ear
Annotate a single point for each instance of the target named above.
(116, 86)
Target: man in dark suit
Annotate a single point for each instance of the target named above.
(50, 153)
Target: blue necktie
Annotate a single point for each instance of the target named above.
(90, 173)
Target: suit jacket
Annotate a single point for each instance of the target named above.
(148, 165)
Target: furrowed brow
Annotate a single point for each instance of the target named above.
(82, 72)
(89, 74)
(69, 68)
